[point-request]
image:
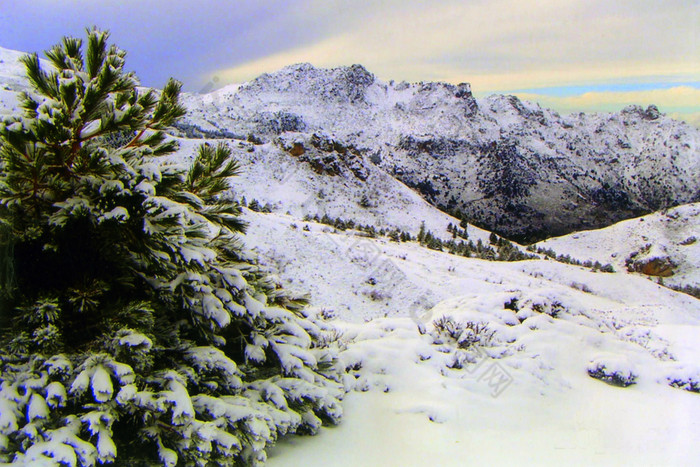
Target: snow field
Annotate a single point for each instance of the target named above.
(526, 397)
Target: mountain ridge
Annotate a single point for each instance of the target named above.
(508, 165)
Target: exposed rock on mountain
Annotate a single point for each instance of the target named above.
(325, 155)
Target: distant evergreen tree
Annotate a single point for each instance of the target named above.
(137, 330)
(254, 205)
(365, 202)
(421, 233)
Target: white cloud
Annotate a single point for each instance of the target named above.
(678, 99)
(500, 44)
(680, 102)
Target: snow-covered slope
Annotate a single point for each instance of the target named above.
(423, 400)
(670, 237)
(512, 166)
(12, 80)
(325, 181)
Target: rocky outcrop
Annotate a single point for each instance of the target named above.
(326, 155)
(649, 261)
(657, 267)
(341, 85)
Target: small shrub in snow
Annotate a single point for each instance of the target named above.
(327, 314)
(689, 241)
(465, 335)
(254, 205)
(580, 286)
(511, 304)
(692, 385)
(376, 295)
(686, 378)
(614, 371)
(553, 309)
(365, 202)
(331, 338)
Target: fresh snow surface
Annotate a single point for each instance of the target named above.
(674, 234)
(527, 398)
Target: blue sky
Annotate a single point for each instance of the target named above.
(573, 55)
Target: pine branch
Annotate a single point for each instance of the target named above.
(96, 51)
(44, 83)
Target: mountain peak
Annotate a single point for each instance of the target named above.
(346, 84)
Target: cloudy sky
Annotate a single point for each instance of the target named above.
(572, 55)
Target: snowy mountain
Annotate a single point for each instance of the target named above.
(507, 165)
(510, 166)
(450, 358)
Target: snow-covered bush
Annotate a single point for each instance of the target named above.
(685, 377)
(465, 335)
(463, 341)
(135, 328)
(614, 370)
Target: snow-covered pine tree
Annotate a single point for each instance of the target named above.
(135, 328)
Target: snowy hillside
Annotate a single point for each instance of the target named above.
(667, 241)
(423, 400)
(303, 186)
(11, 80)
